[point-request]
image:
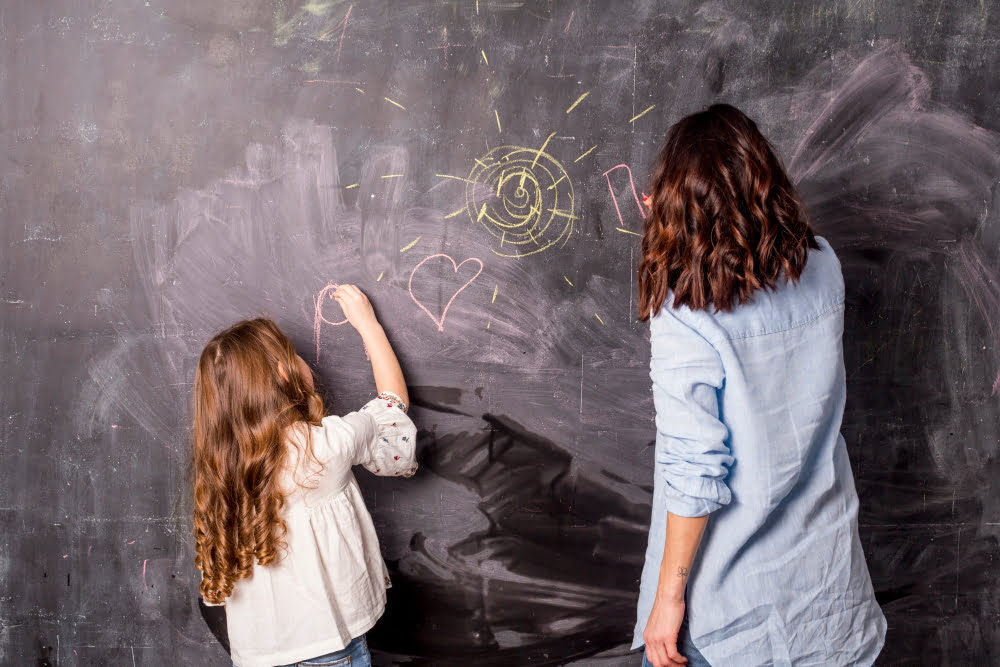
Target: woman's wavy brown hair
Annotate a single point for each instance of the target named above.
(249, 389)
(724, 221)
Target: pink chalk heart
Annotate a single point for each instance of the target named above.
(444, 313)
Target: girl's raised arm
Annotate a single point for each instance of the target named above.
(385, 366)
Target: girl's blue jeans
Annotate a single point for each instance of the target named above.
(354, 654)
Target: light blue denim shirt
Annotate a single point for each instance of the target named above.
(748, 412)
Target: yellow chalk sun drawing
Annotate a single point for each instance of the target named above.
(523, 197)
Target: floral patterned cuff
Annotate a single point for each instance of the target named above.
(392, 400)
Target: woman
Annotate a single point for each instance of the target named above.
(746, 310)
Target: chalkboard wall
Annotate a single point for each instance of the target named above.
(171, 166)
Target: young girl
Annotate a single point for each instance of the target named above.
(746, 310)
(283, 538)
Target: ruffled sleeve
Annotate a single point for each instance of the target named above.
(384, 437)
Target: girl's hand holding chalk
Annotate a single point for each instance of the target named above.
(357, 309)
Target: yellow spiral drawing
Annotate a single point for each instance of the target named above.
(523, 197)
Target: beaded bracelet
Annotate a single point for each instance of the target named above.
(392, 400)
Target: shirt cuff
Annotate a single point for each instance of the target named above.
(692, 506)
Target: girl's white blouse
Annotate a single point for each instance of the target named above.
(329, 585)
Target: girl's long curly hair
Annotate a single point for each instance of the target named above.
(249, 389)
(724, 221)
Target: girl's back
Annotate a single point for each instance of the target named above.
(283, 537)
(330, 586)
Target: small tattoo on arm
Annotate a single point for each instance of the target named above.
(682, 571)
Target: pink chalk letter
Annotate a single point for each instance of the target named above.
(325, 293)
(634, 193)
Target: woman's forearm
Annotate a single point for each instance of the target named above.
(683, 537)
(385, 366)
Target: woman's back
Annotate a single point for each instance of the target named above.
(759, 392)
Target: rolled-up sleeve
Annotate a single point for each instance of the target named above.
(692, 457)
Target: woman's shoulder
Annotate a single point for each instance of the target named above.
(823, 274)
(819, 290)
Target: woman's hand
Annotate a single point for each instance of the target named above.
(356, 307)
(661, 632)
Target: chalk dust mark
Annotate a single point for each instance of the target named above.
(571, 15)
(585, 154)
(349, 83)
(539, 152)
(457, 178)
(446, 47)
(552, 187)
(382, 214)
(641, 113)
(343, 28)
(578, 100)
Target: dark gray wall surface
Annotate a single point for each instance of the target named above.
(171, 166)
